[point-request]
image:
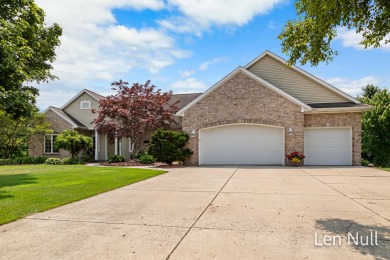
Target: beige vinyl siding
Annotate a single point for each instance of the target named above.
(84, 116)
(293, 82)
(102, 147)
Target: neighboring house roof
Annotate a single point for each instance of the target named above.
(304, 107)
(304, 73)
(66, 117)
(94, 95)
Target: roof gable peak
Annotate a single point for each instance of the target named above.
(302, 72)
(303, 106)
(90, 93)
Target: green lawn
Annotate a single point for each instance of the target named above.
(25, 190)
(385, 169)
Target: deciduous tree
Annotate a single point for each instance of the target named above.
(73, 142)
(376, 126)
(15, 133)
(134, 111)
(308, 38)
(26, 52)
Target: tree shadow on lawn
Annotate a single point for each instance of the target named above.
(14, 180)
(343, 227)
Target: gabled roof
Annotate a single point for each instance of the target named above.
(94, 95)
(61, 113)
(304, 107)
(304, 73)
(184, 99)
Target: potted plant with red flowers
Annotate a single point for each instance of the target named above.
(295, 158)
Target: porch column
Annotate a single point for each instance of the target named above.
(130, 147)
(116, 146)
(105, 146)
(96, 145)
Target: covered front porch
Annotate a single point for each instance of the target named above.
(120, 146)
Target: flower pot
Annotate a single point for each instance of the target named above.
(296, 164)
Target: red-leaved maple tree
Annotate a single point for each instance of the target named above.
(134, 111)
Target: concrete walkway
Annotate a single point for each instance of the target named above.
(217, 213)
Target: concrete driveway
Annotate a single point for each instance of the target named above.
(218, 213)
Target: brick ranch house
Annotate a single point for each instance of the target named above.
(255, 115)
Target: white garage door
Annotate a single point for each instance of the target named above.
(241, 144)
(328, 146)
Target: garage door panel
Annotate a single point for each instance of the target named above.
(241, 144)
(328, 146)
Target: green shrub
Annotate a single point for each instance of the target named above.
(40, 160)
(146, 158)
(54, 161)
(139, 155)
(168, 146)
(69, 160)
(5, 161)
(88, 155)
(23, 160)
(364, 162)
(115, 159)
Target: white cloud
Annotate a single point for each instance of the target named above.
(92, 11)
(189, 85)
(350, 38)
(199, 15)
(186, 73)
(205, 65)
(181, 25)
(352, 86)
(95, 48)
(272, 25)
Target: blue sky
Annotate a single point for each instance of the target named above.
(184, 45)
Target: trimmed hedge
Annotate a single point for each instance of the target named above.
(23, 160)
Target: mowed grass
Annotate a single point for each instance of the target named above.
(385, 169)
(25, 190)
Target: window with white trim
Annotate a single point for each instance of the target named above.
(85, 104)
(49, 143)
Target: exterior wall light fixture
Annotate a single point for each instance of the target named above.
(289, 131)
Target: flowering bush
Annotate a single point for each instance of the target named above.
(295, 157)
(54, 161)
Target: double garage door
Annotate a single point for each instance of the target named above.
(264, 145)
(241, 144)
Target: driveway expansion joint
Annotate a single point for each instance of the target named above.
(313, 176)
(211, 202)
(104, 222)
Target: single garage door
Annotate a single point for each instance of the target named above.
(241, 144)
(328, 146)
